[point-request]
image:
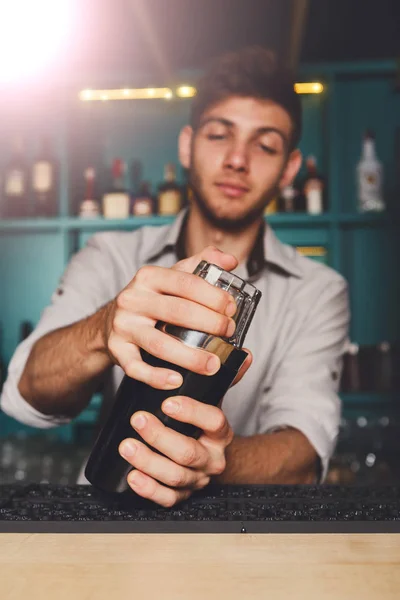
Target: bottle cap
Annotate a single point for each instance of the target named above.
(384, 347)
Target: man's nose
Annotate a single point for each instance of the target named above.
(236, 158)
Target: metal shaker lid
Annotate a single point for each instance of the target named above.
(245, 295)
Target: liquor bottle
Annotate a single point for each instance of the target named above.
(89, 207)
(15, 184)
(313, 188)
(136, 176)
(287, 200)
(369, 177)
(351, 373)
(143, 203)
(169, 193)
(384, 368)
(106, 469)
(116, 202)
(44, 182)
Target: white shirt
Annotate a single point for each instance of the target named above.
(297, 336)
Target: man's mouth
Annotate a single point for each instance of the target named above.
(231, 189)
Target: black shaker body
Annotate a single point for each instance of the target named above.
(106, 469)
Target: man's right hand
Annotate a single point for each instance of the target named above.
(175, 296)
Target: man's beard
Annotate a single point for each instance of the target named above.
(235, 224)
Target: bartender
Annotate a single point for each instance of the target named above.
(279, 423)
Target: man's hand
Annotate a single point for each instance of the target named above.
(175, 296)
(187, 464)
(178, 297)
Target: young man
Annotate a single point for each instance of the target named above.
(280, 423)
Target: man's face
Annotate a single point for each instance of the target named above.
(238, 158)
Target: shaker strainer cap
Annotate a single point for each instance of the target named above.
(245, 295)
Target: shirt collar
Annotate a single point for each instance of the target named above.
(173, 240)
(267, 248)
(281, 255)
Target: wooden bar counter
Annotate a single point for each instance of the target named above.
(199, 566)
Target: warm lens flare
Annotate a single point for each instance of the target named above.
(125, 94)
(186, 91)
(33, 34)
(314, 87)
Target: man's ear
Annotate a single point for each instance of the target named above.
(185, 146)
(291, 169)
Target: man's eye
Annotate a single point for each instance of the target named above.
(268, 149)
(215, 136)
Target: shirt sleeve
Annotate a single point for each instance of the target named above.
(304, 390)
(86, 285)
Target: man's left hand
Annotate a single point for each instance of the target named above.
(187, 464)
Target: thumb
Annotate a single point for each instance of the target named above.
(211, 254)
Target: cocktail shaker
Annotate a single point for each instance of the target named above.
(106, 470)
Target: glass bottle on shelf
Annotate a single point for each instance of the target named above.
(384, 368)
(313, 188)
(143, 203)
(89, 207)
(169, 193)
(351, 373)
(14, 202)
(136, 180)
(44, 185)
(287, 200)
(370, 177)
(116, 202)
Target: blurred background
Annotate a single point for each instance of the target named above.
(92, 97)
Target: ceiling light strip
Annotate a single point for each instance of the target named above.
(183, 91)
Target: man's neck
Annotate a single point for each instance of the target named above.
(200, 233)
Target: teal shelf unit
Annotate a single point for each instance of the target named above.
(363, 247)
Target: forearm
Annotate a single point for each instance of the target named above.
(64, 367)
(283, 457)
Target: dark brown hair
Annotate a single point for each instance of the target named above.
(251, 72)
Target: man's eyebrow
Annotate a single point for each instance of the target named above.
(259, 131)
(220, 120)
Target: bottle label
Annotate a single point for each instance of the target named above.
(313, 194)
(116, 205)
(169, 202)
(314, 202)
(89, 208)
(42, 176)
(142, 207)
(370, 189)
(14, 185)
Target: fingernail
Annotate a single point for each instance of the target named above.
(212, 364)
(139, 421)
(230, 309)
(230, 329)
(171, 406)
(128, 449)
(136, 479)
(174, 380)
